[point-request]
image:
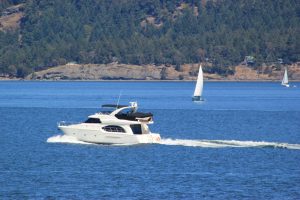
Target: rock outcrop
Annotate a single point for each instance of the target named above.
(116, 71)
(10, 17)
(112, 71)
(271, 73)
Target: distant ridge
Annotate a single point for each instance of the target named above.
(37, 35)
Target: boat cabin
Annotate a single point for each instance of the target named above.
(138, 120)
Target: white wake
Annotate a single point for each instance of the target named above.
(192, 143)
(227, 143)
(65, 139)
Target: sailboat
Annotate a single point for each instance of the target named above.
(285, 80)
(199, 86)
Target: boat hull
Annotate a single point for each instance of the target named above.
(100, 137)
(197, 98)
(285, 85)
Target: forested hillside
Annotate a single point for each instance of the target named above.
(7, 3)
(222, 32)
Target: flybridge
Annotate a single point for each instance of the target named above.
(113, 106)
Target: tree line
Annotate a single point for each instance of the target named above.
(222, 32)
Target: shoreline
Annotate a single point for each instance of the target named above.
(117, 80)
(115, 72)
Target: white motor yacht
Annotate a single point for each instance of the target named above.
(119, 125)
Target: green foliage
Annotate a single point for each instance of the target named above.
(151, 31)
(219, 70)
(6, 3)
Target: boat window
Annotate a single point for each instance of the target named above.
(93, 121)
(125, 111)
(136, 128)
(114, 129)
(106, 110)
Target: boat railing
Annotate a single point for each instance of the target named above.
(103, 113)
(147, 120)
(65, 123)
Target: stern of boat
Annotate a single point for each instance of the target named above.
(197, 98)
(155, 137)
(149, 138)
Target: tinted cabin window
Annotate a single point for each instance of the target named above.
(136, 128)
(93, 121)
(114, 129)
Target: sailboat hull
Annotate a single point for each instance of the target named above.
(285, 85)
(197, 98)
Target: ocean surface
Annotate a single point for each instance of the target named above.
(242, 142)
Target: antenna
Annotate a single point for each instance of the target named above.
(120, 94)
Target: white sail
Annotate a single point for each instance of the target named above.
(199, 84)
(285, 80)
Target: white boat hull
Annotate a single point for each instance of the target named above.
(285, 85)
(101, 137)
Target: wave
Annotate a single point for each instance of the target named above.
(65, 139)
(228, 143)
(191, 143)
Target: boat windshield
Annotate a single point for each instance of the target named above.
(107, 110)
(126, 111)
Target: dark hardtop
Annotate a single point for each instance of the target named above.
(113, 106)
(133, 116)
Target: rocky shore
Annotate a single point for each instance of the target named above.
(116, 71)
(187, 72)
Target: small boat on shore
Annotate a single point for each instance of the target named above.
(118, 124)
(199, 87)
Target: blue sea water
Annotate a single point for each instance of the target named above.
(242, 142)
